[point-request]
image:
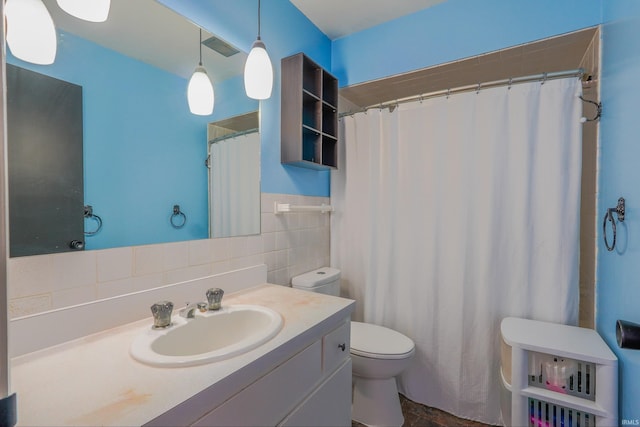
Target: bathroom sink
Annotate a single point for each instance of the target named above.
(208, 337)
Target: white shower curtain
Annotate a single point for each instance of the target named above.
(453, 213)
(234, 185)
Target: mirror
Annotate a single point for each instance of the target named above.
(144, 153)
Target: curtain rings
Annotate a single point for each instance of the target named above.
(544, 79)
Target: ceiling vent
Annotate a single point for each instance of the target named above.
(220, 46)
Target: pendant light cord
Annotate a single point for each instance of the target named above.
(200, 62)
(258, 19)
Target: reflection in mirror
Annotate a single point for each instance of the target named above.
(234, 193)
(143, 151)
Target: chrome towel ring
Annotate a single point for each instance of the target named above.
(619, 209)
(88, 213)
(178, 219)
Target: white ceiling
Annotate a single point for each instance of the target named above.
(152, 33)
(338, 18)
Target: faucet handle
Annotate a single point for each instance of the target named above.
(162, 314)
(214, 297)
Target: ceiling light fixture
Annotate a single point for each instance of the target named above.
(31, 35)
(258, 72)
(200, 90)
(89, 10)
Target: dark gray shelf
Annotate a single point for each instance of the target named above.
(309, 114)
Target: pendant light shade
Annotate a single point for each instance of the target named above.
(200, 93)
(89, 10)
(31, 35)
(258, 72)
(200, 90)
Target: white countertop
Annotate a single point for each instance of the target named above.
(94, 381)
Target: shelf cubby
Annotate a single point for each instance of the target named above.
(309, 114)
(329, 120)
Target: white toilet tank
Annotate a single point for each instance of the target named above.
(325, 280)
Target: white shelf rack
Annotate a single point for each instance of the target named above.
(556, 375)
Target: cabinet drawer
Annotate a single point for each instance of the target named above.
(329, 405)
(265, 401)
(336, 347)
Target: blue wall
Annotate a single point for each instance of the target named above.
(143, 150)
(285, 31)
(618, 291)
(454, 30)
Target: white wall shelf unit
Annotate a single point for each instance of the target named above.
(556, 375)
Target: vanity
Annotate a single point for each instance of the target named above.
(301, 376)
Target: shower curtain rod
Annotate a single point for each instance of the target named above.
(207, 161)
(543, 77)
(233, 135)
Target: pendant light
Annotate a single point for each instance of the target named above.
(31, 35)
(200, 90)
(89, 10)
(258, 72)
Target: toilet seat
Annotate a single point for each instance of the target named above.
(378, 342)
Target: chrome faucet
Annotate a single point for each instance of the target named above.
(162, 314)
(214, 297)
(189, 312)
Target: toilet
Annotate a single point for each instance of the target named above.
(378, 355)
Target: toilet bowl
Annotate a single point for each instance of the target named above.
(378, 355)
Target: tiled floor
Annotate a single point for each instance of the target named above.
(417, 415)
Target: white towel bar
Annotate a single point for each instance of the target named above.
(279, 208)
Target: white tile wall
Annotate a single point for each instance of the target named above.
(290, 244)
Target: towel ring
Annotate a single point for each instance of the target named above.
(88, 213)
(176, 215)
(619, 210)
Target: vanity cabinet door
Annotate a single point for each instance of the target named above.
(265, 402)
(335, 347)
(329, 405)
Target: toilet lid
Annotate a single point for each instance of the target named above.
(375, 341)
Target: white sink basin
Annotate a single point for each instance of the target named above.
(209, 337)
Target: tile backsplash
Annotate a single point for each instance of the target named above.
(289, 244)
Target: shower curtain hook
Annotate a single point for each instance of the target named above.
(448, 92)
(598, 107)
(510, 82)
(544, 78)
(478, 88)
